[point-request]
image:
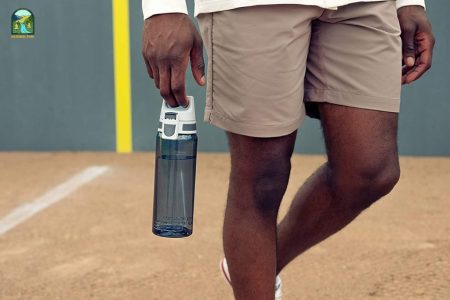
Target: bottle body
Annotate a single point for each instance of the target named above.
(175, 166)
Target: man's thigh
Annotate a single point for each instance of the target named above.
(359, 142)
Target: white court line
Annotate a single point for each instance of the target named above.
(27, 210)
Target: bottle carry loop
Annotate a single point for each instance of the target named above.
(170, 126)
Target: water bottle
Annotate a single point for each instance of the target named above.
(176, 153)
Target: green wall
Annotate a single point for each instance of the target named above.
(57, 90)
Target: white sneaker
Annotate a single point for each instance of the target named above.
(226, 274)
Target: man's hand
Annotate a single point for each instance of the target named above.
(168, 41)
(418, 42)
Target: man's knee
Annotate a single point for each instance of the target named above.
(359, 187)
(381, 183)
(262, 186)
(269, 187)
(260, 170)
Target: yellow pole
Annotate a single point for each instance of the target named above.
(124, 137)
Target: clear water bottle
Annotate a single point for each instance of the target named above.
(176, 153)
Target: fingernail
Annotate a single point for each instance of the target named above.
(202, 80)
(410, 61)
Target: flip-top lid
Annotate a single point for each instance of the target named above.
(177, 120)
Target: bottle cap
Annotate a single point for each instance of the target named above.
(177, 120)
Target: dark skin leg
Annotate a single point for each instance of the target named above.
(362, 167)
(259, 176)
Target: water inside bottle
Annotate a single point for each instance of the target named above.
(174, 183)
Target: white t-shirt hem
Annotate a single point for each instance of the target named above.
(153, 7)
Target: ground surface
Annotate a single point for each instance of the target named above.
(97, 242)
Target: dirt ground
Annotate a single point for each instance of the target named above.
(97, 242)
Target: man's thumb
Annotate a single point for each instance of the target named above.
(197, 62)
(408, 45)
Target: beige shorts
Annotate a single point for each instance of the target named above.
(264, 62)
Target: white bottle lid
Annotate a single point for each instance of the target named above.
(177, 120)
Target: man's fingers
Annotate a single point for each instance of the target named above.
(408, 45)
(197, 62)
(405, 70)
(149, 69)
(425, 44)
(178, 85)
(164, 86)
(178, 89)
(156, 75)
(413, 73)
(169, 78)
(423, 64)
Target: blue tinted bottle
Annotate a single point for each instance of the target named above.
(176, 154)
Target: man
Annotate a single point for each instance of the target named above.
(266, 59)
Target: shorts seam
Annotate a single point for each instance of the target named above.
(388, 104)
(223, 117)
(351, 93)
(212, 66)
(256, 130)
